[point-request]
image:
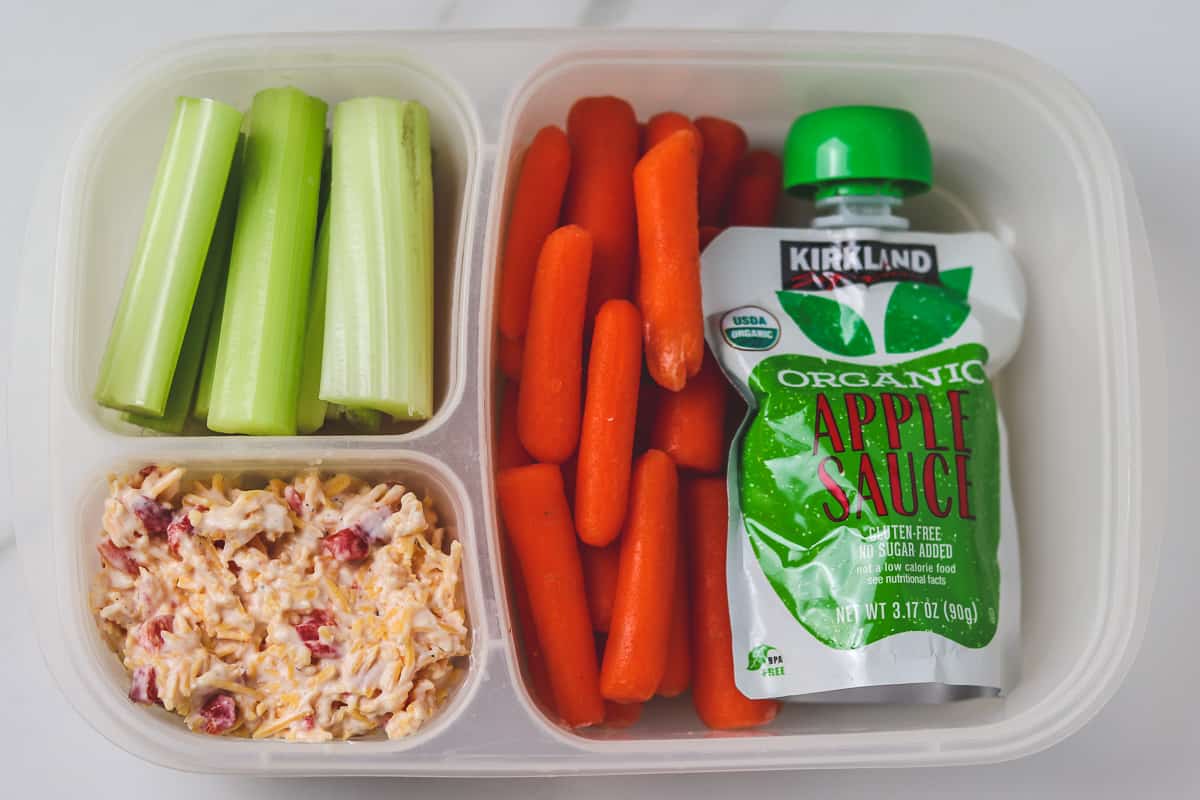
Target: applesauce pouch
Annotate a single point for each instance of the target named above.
(872, 534)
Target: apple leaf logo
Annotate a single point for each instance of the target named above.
(829, 324)
(923, 315)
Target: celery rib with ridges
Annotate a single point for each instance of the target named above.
(259, 350)
(379, 312)
(212, 336)
(156, 303)
(212, 284)
(310, 409)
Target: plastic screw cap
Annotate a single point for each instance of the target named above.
(857, 150)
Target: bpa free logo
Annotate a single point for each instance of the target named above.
(765, 660)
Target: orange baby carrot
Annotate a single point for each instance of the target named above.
(663, 125)
(603, 133)
(600, 567)
(536, 205)
(756, 188)
(714, 693)
(509, 452)
(609, 418)
(552, 364)
(621, 715)
(535, 659)
(707, 234)
(538, 521)
(635, 655)
(689, 425)
(724, 145)
(508, 356)
(678, 673)
(669, 277)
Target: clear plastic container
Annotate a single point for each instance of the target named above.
(1018, 152)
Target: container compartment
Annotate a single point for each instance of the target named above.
(159, 731)
(117, 170)
(1054, 210)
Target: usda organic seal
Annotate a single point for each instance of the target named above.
(750, 328)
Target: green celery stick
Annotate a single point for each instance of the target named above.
(361, 420)
(310, 409)
(259, 352)
(209, 368)
(212, 284)
(156, 303)
(379, 312)
(211, 337)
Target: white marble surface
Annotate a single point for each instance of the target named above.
(1138, 63)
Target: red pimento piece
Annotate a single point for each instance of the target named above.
(144, 688)
(219, 712)
(348, 544)
(119, 558)
(293, 500)
(181, 526)
(150, 635)
(309, 628)
(155, 517)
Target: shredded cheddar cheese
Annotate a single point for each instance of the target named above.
(306, 610)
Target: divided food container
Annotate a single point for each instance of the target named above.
(1017, 151)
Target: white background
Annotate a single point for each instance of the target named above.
(1139, 63)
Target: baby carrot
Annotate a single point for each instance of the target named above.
(538, 521)
(552, 364)
(635, 655)
(536, 204)
(724, 145)
(663, 125)
(600, 566)
(678, 674)
(609, 417)
(757, 184)
(509, 452)
(508, 356)
(621, 715)
(714, 693)
(689, 425)
(535, 659)
(603, 134)
(707, 234)
(669, 277)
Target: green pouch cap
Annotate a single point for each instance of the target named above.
(857, 150)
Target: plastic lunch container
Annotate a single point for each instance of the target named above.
(1017, 151)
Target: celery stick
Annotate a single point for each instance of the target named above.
(379, 312)
(213, 336)
(310, 409)
(209, 368)
(148, 330)
(257, 373)
(212, 285)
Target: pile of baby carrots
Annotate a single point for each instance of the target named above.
(612, 430)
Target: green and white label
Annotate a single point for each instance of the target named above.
(872, 537)
(870, 495)
(750, 328)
